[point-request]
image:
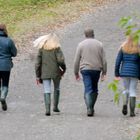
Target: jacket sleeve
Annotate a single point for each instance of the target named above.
(139, 66)
(118, 63)
(77, 60)
(38, 64)
(60, 59)
(13, 48)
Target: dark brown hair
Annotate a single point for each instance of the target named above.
(3, 28)
(89, 33)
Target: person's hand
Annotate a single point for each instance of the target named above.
(77, 77)
(61, 72)
(117, 78)
(103, 77)
(38, 81)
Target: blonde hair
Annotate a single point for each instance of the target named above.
(130, 47)
(52, 42)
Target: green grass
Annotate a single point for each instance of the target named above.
(31, 15)
(13, 12)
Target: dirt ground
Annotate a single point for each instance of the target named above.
(25, 119)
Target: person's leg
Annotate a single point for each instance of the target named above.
(0, 83)
(125, 94)
(88, 93)
(132, 90)
(4, 88)
(56, 94)
(95, 80)
(47, 96)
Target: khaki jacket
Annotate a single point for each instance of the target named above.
(48, 63)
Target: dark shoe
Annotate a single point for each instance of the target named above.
(56, 109)
(132, 114)
(90, 113)
(124, 110)
(4, 105)
(48, 114)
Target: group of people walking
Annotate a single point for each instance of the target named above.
(90, 61)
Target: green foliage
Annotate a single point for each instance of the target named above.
(138, 105)
(131, 27)
(138, 138)
(113, 86)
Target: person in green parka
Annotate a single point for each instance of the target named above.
(50, 66)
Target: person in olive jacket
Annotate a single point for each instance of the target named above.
(128, 67)
(7, 51)
(50, 66)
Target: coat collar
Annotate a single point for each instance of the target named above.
(2, 33)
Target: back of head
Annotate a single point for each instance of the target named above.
(89, 33)
(3, 28)
(52, 42)
(130, 47)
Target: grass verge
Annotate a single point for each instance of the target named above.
(21, 16)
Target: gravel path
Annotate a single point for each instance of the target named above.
(25, 119)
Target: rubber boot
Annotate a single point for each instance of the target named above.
(89, 104)
(95, 95)
(47, 99)
(4, 93)
(132, 106)
(125, 102)
(56, 101)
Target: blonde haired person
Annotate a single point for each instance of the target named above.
(50, 66)
(128, 67)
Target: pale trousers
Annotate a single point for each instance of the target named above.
(47, 85)
(130, 85)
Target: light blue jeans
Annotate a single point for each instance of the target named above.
(130, 85)
(47, 85)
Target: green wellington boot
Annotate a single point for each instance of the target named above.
(47, 99)
(95, 95)
(132, 106)
(89, 104)
(4, 93)
(125, 102)
(56, 101)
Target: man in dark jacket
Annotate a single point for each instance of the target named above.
(7, 51)
(90, 60)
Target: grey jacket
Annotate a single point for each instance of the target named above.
(90, 55)
(7, 51)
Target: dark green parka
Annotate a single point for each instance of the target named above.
(49, 64)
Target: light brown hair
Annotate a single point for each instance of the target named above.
(130, 47)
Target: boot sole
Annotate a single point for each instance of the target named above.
(48, 114)
(124, 110)
(4, 105)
